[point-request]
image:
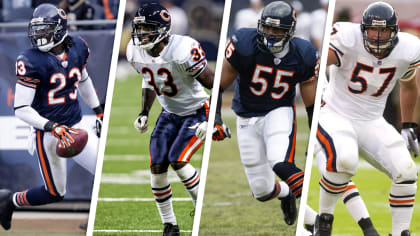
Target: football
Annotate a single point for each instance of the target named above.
(75, 148)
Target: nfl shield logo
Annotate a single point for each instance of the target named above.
(379, 62)
(277, 61)
(64, 64)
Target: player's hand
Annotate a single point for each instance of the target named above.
(62, 133)
(200, 130)
(221, 132)
(99, 120)
(409, 135)
(141, 123)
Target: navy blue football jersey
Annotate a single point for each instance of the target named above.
(264, 81)
(55, 80)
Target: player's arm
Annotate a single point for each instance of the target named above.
(88, 93)
(332, 57)
(408, 99)
(308, 92)
(147, 99)
(206, 77)
(229, 74)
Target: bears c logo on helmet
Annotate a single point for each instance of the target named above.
(165, 15)
(62, 13)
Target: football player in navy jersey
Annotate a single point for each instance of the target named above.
(49, 77)
(266, 64)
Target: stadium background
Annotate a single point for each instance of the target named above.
(19, 170)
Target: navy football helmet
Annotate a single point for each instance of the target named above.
(48, 27)
(150, 25)
(382, 16)
(280, 16)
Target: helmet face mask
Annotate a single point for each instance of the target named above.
(150, 25)
(48, 27)
(276, 27)
(380, 29)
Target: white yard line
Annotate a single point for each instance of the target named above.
(144, 199)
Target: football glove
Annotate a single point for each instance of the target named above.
(62, 133)
(221, 132)
(99, 120)
(200, 130)
(141, 123)
(409, 135)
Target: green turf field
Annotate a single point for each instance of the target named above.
(374, 188)
(126, 205)
(229, 208)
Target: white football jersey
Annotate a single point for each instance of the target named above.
(360, 84)
(172, 75)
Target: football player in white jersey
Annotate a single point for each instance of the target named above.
(175, 69)
(367, 60)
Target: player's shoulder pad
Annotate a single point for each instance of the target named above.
(180, 48)
(81, 45)
(346, 33)
(244, 40)
(410, 45)
(31, 57)
(307, 52)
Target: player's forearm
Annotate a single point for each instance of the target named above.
(408, 101)
(88, 93)
(148, 97)
(308, 92)
(206, 77)
(31, 117)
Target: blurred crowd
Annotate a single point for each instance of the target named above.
(21, 10)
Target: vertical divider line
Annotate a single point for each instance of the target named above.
(104, 131)
(320, 85)
(215, 93)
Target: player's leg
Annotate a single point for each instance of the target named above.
(182, 149)
(351, 198)
(161, 139)
(87, 158)
(53, 170)
(389, 154)
(261, 178)
(339, 151)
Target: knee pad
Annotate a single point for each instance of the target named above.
(261, 180)
(347, 155)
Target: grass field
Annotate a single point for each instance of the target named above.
(126, 205)
(374, 188)
(229, 207)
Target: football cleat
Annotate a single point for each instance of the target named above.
(309, 227)
(323, 224)
(288, 206)
(170, 230)
(6, 208)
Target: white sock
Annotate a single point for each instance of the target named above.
(310, 216)
(191, 179)
(332, 185)
(163, 197)
(354, 202)
(401, 202)
(284, 189)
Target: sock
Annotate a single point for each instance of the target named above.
(332, 185)
(401, 202)
(354, 202)
(34, 197)
(310, 216)
(191, 179)
(163, 197)
(292, 175)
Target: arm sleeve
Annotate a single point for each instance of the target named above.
(23, 99)
(87, 90)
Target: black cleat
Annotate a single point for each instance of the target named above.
(170, 230)
(288, 206)
(6, 208)
(309, 227)
(323, 224)
(370, 232)
(403, 233)
(367, 227)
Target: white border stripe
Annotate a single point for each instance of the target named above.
(108, 199)
(213, 104)
(134, 231)
(102, 141)
(320, 85)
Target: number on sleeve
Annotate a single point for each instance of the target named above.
(230, 48)
(20, 68)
